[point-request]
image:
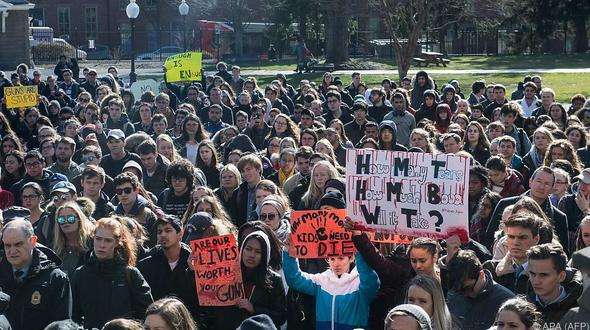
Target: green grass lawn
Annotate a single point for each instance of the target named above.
(564, 84)
(457, 62)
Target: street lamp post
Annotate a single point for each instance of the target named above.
(132, 11)
(183, 9)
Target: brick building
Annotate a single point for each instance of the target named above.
(159, 23)
(14, 33)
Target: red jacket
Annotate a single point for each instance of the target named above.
(513, 185)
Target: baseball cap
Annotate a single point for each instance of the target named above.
(64, 187)
(584, 176)
(117, 134)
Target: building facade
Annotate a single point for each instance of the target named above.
(14, 34)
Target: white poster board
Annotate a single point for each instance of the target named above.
(415, 194)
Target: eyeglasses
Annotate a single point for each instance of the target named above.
(269, 216)
(84, 100)
(34, 164)
(71, 219)
(113, 140)
(29, 197)
(126, 191)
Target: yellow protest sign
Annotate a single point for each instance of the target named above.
(21, 96)
(184, 67)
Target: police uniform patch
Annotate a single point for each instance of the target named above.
(36, 298)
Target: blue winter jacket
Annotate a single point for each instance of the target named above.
(342, 303)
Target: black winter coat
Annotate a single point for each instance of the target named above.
(271, 302)
(105, 290)
(164, 281)
(43, 296)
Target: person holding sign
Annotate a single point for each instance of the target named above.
(263, 288)
(342, 295)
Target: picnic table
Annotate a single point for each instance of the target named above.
(427, 58)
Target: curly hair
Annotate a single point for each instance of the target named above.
(181, 168)
(570, 154)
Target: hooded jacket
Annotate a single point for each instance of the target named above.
(391, 125)
(405, 123)
(269, 300)
(341, 302)
(144, 215)
(43, 296)
(104, 290)
(453, 103)
(553, 312)
(417, 91)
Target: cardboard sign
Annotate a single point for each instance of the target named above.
(217, 270)
(184, 67)
(414, 194)
(142, 86)
(319, 234)
(21, 96)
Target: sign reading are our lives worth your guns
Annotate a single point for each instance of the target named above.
(416, 194)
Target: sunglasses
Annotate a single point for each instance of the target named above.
(62, 197)
(71, 219)
(269, 216)
(88, 158)
(126, 191)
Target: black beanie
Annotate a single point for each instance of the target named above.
(257, 322)
(333, 198)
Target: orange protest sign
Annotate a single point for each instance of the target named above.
(319, 234)
(217, 270)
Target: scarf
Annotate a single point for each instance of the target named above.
(284, 176)
(537, 159)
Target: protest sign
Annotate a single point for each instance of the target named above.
(388, 238)
(319, 234)
(184, 67)
(21, 96)
(142, 86)
(217, 270)
(415, 194)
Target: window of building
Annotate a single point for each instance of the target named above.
(91, 22)
(63, 20)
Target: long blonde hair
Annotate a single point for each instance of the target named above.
(126, 247)
(441, 316)
(85, 232)
(167, 138)
(314, 194)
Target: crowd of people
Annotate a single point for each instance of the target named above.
(102, 193)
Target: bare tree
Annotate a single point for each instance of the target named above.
(406, 20)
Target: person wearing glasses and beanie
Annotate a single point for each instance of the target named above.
(61, 193)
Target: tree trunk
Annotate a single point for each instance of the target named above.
(337, 36)
(581, 35)
(442, 37)
(238, 40)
